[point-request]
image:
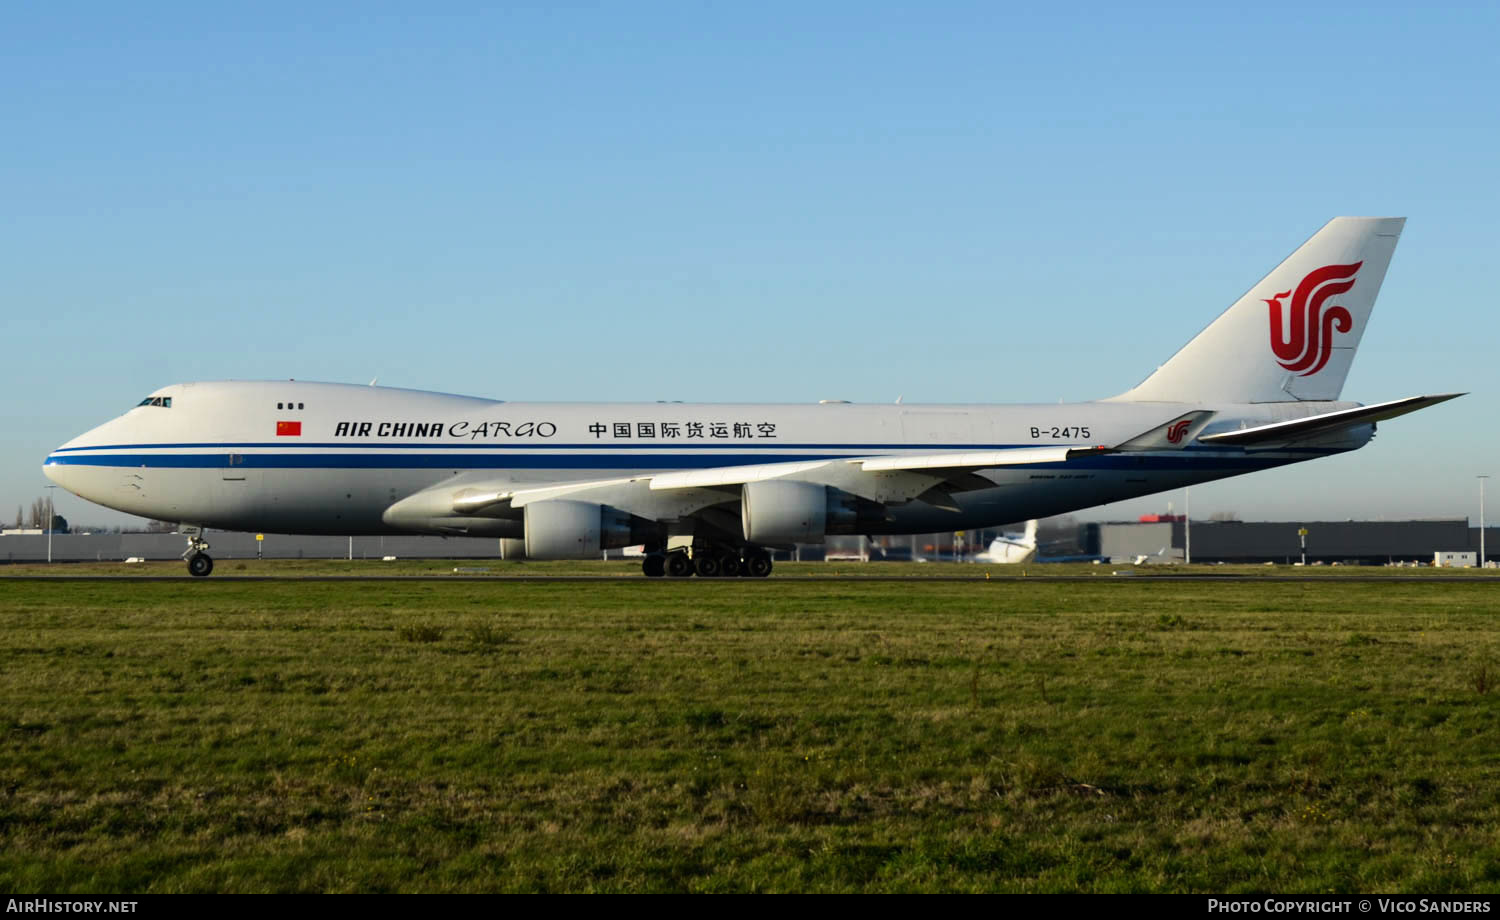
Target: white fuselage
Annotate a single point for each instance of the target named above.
(234, 456)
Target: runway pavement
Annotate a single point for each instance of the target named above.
(1114, 575)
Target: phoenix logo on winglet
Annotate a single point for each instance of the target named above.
(1312, 329)
(1175, 433)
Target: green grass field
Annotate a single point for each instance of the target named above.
(1114, 734)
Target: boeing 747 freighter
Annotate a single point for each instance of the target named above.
(711, 489)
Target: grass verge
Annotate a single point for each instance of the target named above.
(1109, 735)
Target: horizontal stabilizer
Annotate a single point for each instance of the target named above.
(1326, 422)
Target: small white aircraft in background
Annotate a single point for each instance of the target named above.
(710, 489)
(1011, 548)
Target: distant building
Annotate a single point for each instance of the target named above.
(1152, 541)
(1345, 542)
(1455, 560)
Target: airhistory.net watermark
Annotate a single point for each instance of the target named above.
(49, 906)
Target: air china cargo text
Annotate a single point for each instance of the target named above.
(474, 431)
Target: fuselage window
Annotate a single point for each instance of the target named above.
(278, 405)
(299, 405)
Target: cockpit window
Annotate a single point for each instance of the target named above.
(164, 401)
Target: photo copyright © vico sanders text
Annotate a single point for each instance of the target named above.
(1364, 906)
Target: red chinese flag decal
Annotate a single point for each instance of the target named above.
(288, 429)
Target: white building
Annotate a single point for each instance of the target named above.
(1455, 560)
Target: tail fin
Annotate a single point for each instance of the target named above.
(1029, 537)
(1293, 336)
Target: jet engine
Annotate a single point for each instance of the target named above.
(559, 529)
(777, 512)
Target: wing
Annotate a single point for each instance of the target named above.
(885, 479)
(674, 495)
(877, 481)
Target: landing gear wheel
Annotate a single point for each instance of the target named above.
(707, 566)
(200, 565)
(654, 566)
(678, 565)
(758, 564)
(729, 565)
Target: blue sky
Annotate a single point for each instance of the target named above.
(770, 202)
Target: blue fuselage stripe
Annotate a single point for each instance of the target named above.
(614, 461)
(355, 461)
(535, 445)
(860, 450)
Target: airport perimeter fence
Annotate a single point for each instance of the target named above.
(118, 547)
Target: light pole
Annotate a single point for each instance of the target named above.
(1481, 520)
(52, 515)
(1187, 525)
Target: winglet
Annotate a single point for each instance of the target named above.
(1176, 434)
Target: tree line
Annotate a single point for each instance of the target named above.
(32, 519)
(36, 517)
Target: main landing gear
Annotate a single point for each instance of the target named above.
(709, 562)
(199, 563)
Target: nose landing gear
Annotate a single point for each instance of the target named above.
(199, 563)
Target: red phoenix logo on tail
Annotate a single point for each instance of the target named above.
(1178, 429)
(1306, 346)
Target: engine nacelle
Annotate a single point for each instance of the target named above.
(560, 529)
(777, 512)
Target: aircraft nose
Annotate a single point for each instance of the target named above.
(62, 466)
(55, 469)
